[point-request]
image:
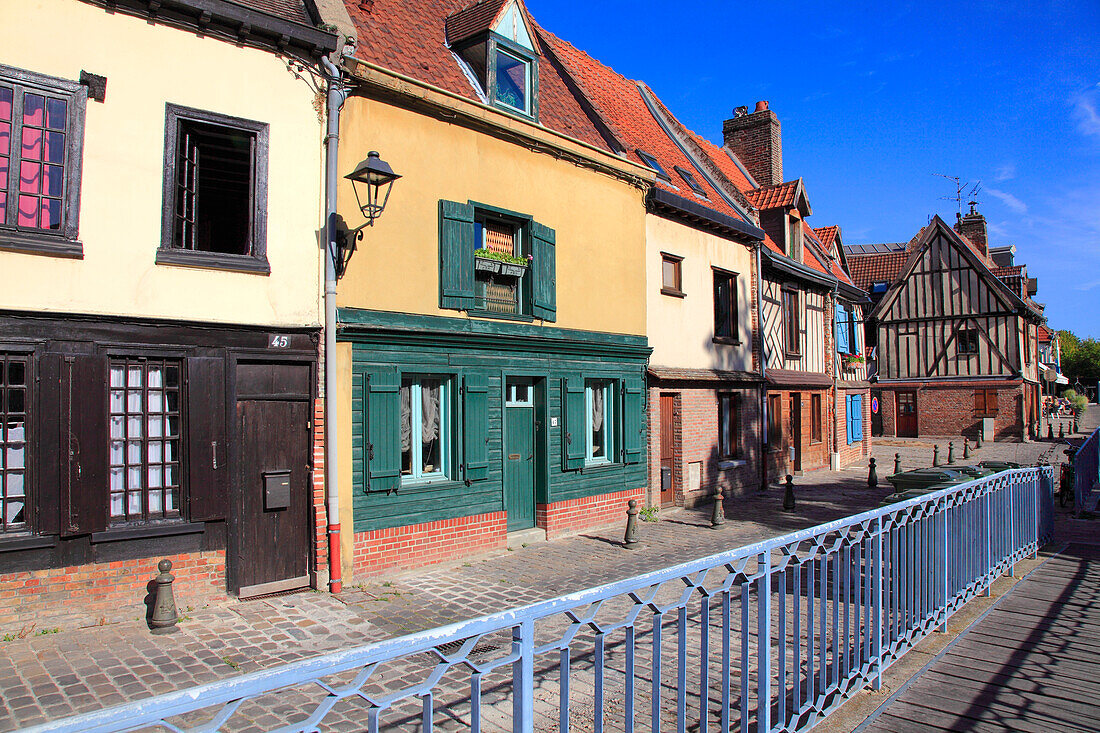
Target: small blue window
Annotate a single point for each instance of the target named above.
(879, 287)
(651, 162)
(689, 179)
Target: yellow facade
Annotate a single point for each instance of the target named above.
(598, 219)
(681, 330)
(147, 66)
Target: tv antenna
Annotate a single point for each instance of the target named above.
(960, 186)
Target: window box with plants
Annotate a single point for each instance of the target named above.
(486, 260)
(854, 361)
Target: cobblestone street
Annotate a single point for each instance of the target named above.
(49, 675)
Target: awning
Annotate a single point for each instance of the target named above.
(1061, 379)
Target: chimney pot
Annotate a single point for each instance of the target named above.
(761, 106)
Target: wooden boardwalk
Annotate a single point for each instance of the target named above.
(1031, 664)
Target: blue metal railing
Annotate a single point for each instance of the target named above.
(767, 637)
(1086, 469)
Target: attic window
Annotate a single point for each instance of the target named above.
(652, 163)
(689, 179)
(879, 287)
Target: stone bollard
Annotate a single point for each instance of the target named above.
(872, 475)
(1050, 430)
(1061, 430)
(717, 513)
(164, 617)
(978, 443)
(788, 495)
(1076, 424)
(630, 539)
(935, 456)
(966, 448)
(897, 463)
(951, 452)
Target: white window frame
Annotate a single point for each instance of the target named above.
(609, 415)
(416, 445)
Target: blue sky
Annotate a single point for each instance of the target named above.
(875, 99)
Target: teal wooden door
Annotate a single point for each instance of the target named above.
(519, 456)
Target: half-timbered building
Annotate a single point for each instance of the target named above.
(954, 334)
(160, 169)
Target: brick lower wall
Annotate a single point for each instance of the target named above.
(564, 518)
(107, 592)
(320, 510)
(860, 450)
(814, 454)
(417, 545)
(948, 411)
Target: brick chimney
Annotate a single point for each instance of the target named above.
(972, 226)
(755, 139)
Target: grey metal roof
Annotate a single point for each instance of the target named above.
(871, 249)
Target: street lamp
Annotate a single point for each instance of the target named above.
(371, 180)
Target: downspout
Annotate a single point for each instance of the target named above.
(335, 100)
(836, 377)
(763, 379)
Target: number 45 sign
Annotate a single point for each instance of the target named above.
(278, 341)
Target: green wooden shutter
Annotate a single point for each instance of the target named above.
(633, 421)
(544, 288)
(476, 427)
(456, 255)
(383, 448)
(573, 434)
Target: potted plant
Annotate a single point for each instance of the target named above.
(854, 361)
(486, 261)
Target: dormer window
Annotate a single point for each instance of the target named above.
(794, 239)
(500, 57)
(689, 179)
(651, 163)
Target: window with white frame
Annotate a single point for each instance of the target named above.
(145, 439)
(424, 427)
(13, 443)
(599, 402)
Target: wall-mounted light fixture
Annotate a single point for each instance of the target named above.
(371, 180)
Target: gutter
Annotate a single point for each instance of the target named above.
(726, 223)
(335, 100)
(790, 267)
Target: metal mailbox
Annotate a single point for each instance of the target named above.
(276, 489)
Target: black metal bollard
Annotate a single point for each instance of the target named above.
(630, 539)
(978, 444)
(164, 618)
(1061, 430)
(966, 448)
(897, 463)
(1050, 430)
(788, 495)
(872, 475)
(717, 513)
(1076, 424)
(951, 452)
(935, 456)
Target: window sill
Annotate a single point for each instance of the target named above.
(501, 316)
(728, 463)
(792, 354)
(421, 486)
(51, 245)
(144, 531)
(598, 465)
(673, 292)
(26, 542)
(214, 261)
(727, 340)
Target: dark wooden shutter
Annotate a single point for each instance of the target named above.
(991, 401)
(456, 255)
(573, 434)
(633, 421)
(979, 401)
(544, 289)
(207, 448)
(85, 457)
(476, 427)
(383, 431)
(47, 511)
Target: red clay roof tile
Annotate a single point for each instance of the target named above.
(773, 197)
(870, 269)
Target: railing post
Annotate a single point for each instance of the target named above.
(988, 536)
(876, 648)
(763, 645)
(523, 678)
(945, 548)
(1012, 522)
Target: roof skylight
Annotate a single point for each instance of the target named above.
(651, 162)
(689, 179)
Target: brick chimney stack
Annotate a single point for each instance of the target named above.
(755, 140)
(972, 226)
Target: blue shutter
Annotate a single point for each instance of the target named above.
(544, 268)
(848, 416)
(857, 418)
(475, 425)
(456, 255)
(633, 421)
(573, 433)
(383, 448)
(841, 329)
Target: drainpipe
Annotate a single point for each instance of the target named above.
(764, 382)
(336, 97)
(836, 378)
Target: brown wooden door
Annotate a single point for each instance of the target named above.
(668, 449)
(796, 431)
(907, 414)
(274, 522)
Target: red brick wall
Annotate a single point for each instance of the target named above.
(858, 451)
(416, 545)
(107, 592)
(948, 411)
(814, 455)
(564, 518)
(320, 510)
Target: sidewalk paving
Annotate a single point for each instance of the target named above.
(48, 676)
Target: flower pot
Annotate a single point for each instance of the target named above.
(511, 270)
(483, 264)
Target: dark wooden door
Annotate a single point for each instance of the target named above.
(907, 414)
(668, 449)
(273, 495)
(796, 431)
(876, 413)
